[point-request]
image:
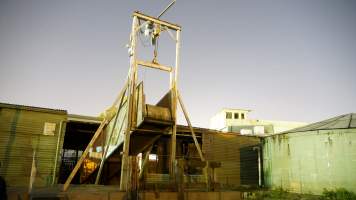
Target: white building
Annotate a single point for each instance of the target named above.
(236, 120)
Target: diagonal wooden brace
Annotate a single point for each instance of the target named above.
(92, 141)
(190, 126)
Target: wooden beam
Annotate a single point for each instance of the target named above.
(157, 21)
(150, 143)
(95, 137)
(145, 160)
(190, 126)
(121, 94)
(85, 153)
(121, 97)
(154, 65)
(173, 152)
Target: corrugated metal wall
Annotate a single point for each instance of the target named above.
(21, 132)
(308, 162)
(226, 149)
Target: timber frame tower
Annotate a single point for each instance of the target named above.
(140, 124)
(135, 62)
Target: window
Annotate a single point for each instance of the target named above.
(242, 115)
(228, 115)
(236, 115)
(152, 157)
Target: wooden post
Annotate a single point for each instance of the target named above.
(174, 83)
(125, 169)
(134, 175)
(57, 152)
(145, 161)
(207, 176)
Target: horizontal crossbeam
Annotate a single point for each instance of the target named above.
(157, 21)
(154, 65)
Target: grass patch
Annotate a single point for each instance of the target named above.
(278, 194)
(282, 194)
(338, 194)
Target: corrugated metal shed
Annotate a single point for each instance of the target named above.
(309, 159)
(23, 130)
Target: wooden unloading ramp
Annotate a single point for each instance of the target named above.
(131, 126)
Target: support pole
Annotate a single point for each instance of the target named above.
(144, 163)
(57, 152)
(125, 168)
(190, 126)
(174, 83)
(258, 149)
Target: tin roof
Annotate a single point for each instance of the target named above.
(33, 108)
(340, 122)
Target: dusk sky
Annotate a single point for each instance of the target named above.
(283, 59)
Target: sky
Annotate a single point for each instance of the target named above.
(283, 59)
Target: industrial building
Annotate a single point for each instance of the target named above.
(48, 135)
(237, 120)
(51, 141)
(27, 130)
(312, 158)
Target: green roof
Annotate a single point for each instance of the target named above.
(340, 122)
